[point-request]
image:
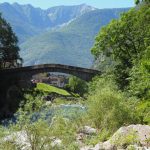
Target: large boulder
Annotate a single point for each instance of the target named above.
(133, 136)
(21, 140)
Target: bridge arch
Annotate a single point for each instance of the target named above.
(29, 71)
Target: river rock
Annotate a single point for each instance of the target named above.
(86, 148)
(98, 146)
(48, 103)
(136, 147)
(142, 135)
(19, 138)
(56, 142)
(88, 130)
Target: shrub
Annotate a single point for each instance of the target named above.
(143, 111)
(77, 85)
(42, 132)
(140, 77)
(108, 108)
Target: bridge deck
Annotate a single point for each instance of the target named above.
(44, 66)
(83, 73)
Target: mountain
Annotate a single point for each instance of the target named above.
(71, 43)
(62, 34)
(28, 21)
(62, 14)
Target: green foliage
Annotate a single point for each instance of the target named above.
(3, 131)
(69, 101)
(38, 135)
(99, 82)
(102, 135)
(9, 51)
(140, 77)
(143, 111)
(77, 85)
(41, 133)
(8, 146)
(122, 47)
(64, 129)
(141, 1)
(123, 41)
(108, 108)
(129, 139)
(49, 89)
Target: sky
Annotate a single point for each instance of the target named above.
(95, 3)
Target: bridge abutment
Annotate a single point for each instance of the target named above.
(11, 93)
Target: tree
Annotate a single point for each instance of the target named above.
(140, 77)
(141, 1)
(9, 51)
(77, 85)
(125, 41)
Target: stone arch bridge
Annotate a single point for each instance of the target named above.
(14, 79)
(29, 71)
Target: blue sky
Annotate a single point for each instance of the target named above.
(96, 3)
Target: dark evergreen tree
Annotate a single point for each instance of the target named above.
(9, 50)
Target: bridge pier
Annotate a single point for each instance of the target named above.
(11, 93)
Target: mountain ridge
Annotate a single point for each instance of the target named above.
(70, 44)
(28, 21)
(61, 34)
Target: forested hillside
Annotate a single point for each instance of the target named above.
(70, 44)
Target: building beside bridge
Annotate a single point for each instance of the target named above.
(56, 79)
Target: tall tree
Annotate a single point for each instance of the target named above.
(9, 51)
(125, 40)
(77, 85)
(141, 1)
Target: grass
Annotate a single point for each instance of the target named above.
(49, 89)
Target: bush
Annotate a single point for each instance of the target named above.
(108, 108)
(143, 111)
(77, 85)
(140, 77)
(41, 132)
